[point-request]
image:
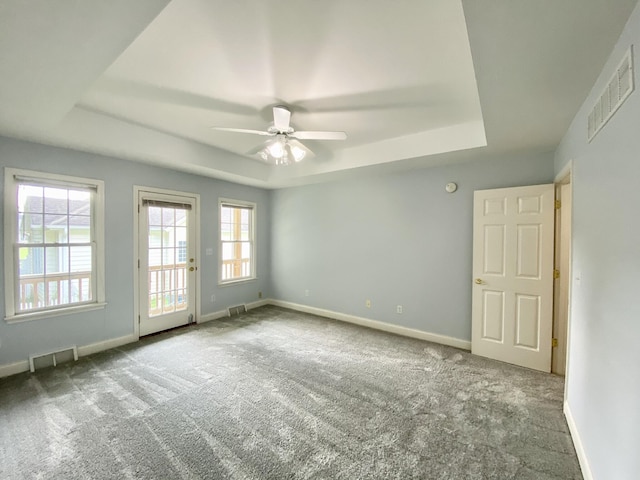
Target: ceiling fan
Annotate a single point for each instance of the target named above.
(285, 148)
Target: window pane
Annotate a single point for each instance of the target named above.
(181, 235)
(167, 280)
(182, 252)
(56, 260)
(30, 228)
(55, 228)
(65, 290)
(225, 215)
(79, 202)
(169, 256)
(153, 305)
(169, 239)
(81, 258)
(181, 217)
(168, 216)
(30, 199)
(246, 250)
(168, 304)
(155, 257)
(155, 237)
(79, 229)
(225, 231)
(227, 251)
(31, 261)
(56, 200)
(53, 294)
(155, 216)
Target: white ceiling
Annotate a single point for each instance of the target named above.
(413, 83)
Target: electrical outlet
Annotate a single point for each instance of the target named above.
(306, 293)
(259, 294)
(213, 298)
(399, 309)
(367, 303)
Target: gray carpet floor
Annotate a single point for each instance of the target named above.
(276, 394)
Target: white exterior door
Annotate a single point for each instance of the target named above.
(512, 307)
(167, 263)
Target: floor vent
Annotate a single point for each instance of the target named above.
(237, 310)
(615, 93)
(52, 358)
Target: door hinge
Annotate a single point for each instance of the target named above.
(556, 273)
(558, 204)
(138, 319)
(138, 263)
(554, 342)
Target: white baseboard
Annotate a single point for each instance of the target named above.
(14, 368)
(377, 325)
(23, 366)
(213, 316)
(85, 350)
(225, 313)
(259, 303)
(577, 443)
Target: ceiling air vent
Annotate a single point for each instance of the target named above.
(615, 93)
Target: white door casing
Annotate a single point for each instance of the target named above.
(512, 303)
(167, 261)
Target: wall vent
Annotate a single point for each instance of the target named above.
(237, 310)
(615, 93)
(52, 358)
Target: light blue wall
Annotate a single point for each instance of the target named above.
(395, 239)
(603, 390)
(19, 340)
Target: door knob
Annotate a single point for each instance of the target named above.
(191, 269)
(479, 281)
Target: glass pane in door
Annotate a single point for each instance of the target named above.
(167, 247)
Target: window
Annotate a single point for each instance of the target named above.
(53, 243)
(182, 251)
(237, 241)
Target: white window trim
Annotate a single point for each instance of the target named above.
(10, 234)
(254, 207)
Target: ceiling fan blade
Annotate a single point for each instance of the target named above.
(311, 135)
(241, 130)
(281, 118)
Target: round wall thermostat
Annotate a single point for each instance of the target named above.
(451, 187)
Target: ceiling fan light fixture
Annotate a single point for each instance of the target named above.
(281, 152)
(285, 149)
(276, 149)
(297, 152)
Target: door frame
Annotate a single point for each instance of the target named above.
(137, 189)
(563, 177)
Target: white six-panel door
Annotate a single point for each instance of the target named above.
(512, 309)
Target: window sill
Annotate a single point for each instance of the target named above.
(240, 281)
(57, 312)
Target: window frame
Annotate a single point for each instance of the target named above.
(11, 183)
(253, 207)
